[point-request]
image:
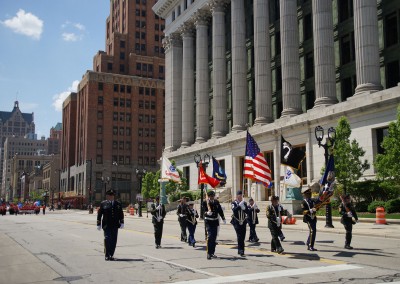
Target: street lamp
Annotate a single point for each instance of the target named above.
(140, 174)
(330, 142)
(204, 162)
(105, 180)
(116, 177)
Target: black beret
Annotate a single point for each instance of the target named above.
(110, 192)
(211, 193)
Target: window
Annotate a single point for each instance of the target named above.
(137, 46)
(115, 102)
(173, 15)
(121, 145)
(381, 133)
(347, 88)
(99, 159)
(310, 99)
(137, 12)
(347, 49)
(156, 37)
(122, 44)
(115, 116)
(143, 47)
(128, 145)
(100, 100)
(122, 55)
(156, 27)
(137, 24)
(137, 35)
(144, 67)
(138, 67)
(99, 114)
(309, 64)
(99, 129)
(161, 69)
(128, 117)
(140, 146)
(114, 144)
(391, 32)
(121, 68)
(116, 88)
(143, 36)
(143, 13)
(127, 160)
(179, 10)
(128, 131)
(346, 9)
(128, 89)
(122, 88)
(140, 117)
(153, 105)
(141, 90)
(140, 104)
(115, 130)
(100, 86)
(122, 102)
(99, 144)
(140, 132)
(307, 27)
(128, 103)
(153, 92)
(121, 131)
(392, 74)
(121, 116)
(109, 66)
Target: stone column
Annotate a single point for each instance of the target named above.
(219, 111)
(202, 78)
(366, 40)
(324, 54)
(239, 66)
(262, 60)
(173, 92)
(290, 60)
(188, 86)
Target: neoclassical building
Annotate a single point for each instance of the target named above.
(276, 68)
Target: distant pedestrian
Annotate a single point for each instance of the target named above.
(158, 213)
(110, 217)
(44, 209)
(349, 218)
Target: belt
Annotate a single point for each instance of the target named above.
(212, 219)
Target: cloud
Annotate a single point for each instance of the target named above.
(26, 24)
(26, 106)
(70, 37)
(75, 31)
(60, 98)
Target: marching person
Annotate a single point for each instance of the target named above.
(252, 219)
(181, 212)
(158, 213)
(239, 220)
(348, 212)
(274, 224)
(212, 209)
(110, 217)
(309, 217)
(191, 219)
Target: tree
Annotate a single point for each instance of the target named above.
(387, 164)
(348, 164)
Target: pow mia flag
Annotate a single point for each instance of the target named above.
(290, 156)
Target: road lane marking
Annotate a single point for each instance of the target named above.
(183, 266)
(272, 274)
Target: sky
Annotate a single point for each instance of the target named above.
(46, 46)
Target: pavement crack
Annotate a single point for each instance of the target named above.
(54, 257)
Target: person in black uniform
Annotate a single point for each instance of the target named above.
(308, 207)
(181, 212)
(274, 224)
(252, 219)
(110, 217)
(158, 214)
(347, 211)
(192, 216)
(239, 220)
(212, 209)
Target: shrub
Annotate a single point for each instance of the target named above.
(361, 206)
(335, 204)
(392, 205)
(374, 204)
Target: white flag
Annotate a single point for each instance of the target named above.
(291, 179)
(168, 171)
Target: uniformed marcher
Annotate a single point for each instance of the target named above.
(274, 224)
(158, 213)
(191, 220)
(110, 217)
(181, 212)
(309, 217)
(252, 219)
(348, 212)
(239, 220)
(212, 209)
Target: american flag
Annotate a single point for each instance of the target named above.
(255, 165)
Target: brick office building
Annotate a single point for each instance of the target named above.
(119, 108)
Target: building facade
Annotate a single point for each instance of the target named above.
(276, 68)
(13, 124)
(119, 125)
(54, 140)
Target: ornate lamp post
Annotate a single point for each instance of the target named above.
(204, 161)
(330, 142)
(140, 174)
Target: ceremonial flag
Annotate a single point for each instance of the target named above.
(290, 156)
(329, 175)
(255, 165)
(204, 178)
(218, 172)
(291, 179)
(168, 171)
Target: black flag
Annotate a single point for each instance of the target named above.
(290, 156)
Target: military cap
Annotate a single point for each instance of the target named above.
(239, 192)
(211, 193)
(274, 197)
(110, 192)
(306, 189)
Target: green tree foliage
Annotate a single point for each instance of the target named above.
(348, 164)
(151, 185)
(387, 165)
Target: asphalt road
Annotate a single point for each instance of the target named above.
(65, 247)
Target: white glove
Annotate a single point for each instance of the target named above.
(255, 207)
(312, 210)
(209, 213)
(158, 207)
(181, 215)
(241, 203)
(349, 214)
(242, 206)
(99, 227)
(356, 221)
(224, 222)
(121, 226)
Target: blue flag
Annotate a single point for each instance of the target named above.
(218, 172)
